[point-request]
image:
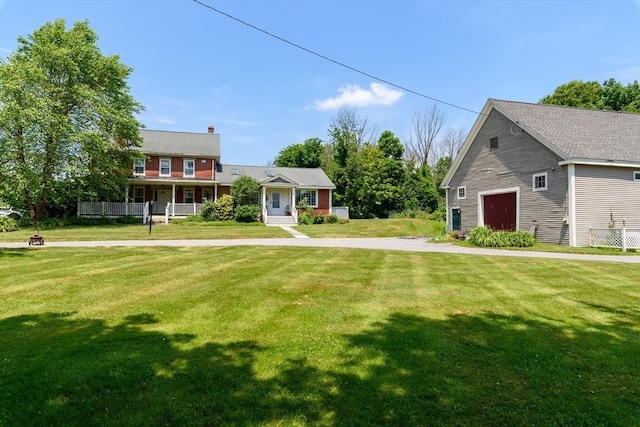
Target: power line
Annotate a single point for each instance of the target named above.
(326, 58)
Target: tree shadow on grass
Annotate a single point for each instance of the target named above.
(11, 252)
(486, 369)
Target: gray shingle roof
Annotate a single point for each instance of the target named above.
(579, 133)
(301, 177)
(184, 144)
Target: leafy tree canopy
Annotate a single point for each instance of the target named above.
(610, 95)
(309, 154)
(390, 145)
(66, 119)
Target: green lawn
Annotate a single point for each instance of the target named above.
(195, 230)
(307, 336)
(391, 227)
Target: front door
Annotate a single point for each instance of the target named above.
(456, 222)
(275, 204)
(160, 200)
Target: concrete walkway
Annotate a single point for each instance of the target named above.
(295, 233)
(392, 244)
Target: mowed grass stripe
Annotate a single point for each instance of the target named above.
(312, 336)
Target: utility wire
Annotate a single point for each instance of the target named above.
(326, 58)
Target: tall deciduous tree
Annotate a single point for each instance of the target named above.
(611, 95)
(348, 133)
(67, 120)
(309, 154)
(425, 127)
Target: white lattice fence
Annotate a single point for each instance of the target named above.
(632, 238)
(623, 238)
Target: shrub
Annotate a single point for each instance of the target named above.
(439, 214)
(224, 208)
(411, 213)
(247, 213)
(318, 218)
(331, 218)
(8, 224)
(128, 219)
(245, 190)
(485, 237)
(208, 211)
(305, 218)
(192, 219)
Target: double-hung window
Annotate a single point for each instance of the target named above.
(462, 192)
(189, 167)
(189, 195)
(539, 181)
(138, 194)
(165, 167)
(138, 167)
(311, 196)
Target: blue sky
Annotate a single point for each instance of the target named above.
(194, 67)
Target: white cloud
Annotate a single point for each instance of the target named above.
(244, 123)
(354, 96)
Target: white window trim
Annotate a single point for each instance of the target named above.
(546, 181)
(481, 195)
(184, 168)
(184, 195)
(144, 167)
(464, 187)
(636, 176)
(160, 166)
(309, 190)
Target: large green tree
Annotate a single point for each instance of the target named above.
(610, 95)
(67, 124)
(348, 133)
(374, 177)
(309, 154)
(245, 191)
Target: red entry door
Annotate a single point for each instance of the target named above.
(500, 211)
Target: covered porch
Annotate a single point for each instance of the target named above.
(278, 204)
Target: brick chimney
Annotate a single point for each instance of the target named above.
(211, 129)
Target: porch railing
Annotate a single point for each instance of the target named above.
(110, 209)
(622, 238)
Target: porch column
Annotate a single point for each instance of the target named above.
(126, 200)
(330, 201)
(215, 192)
(264, 204)
(173, 200)
(293, 200)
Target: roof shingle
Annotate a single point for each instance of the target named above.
(580, 133)
(184, 144)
